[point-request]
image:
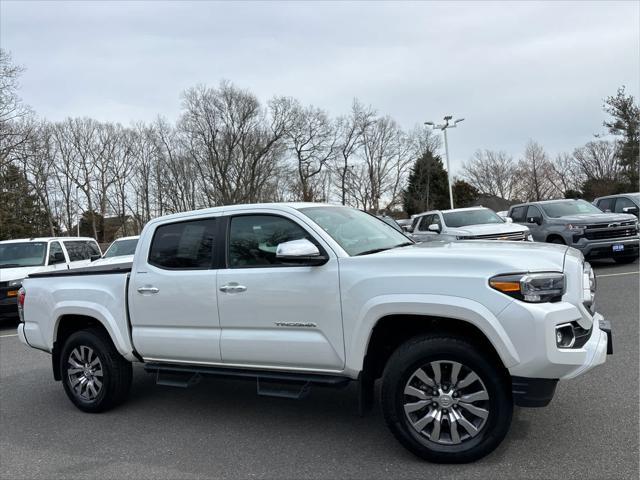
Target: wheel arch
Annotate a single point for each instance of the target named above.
(391, 323)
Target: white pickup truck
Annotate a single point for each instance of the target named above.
(296, 295)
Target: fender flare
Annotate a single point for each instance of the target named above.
(443, 306)
(101, 315)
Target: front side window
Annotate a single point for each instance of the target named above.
(623, 203)
(425, 222)
(569, 207)
(358, 233)
(253, 239)
(533, 212)
(121, 247)
(606, 204)
(55, 253)
(22, 254)
(470, 217)
(518, 214)
(184, 245)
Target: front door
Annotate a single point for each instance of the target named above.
(172, 294)
(533, 212)
(277, 315)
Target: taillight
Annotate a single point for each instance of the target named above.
(21, 295)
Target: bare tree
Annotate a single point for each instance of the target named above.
(534, 173)
(567, 174)
(15, 125)
(598, 160)
(387, 154)
(350, 129)
(312, 140)
(236, 144)
(492, 173)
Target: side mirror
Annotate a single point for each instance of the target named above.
(632, 210)
(434, 227)
(407, 228)
(508, 219)
(536, 220)
(93, 258)
(300, 251)
(56, 258)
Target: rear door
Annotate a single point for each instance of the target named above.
(172, 293)
(273, 314)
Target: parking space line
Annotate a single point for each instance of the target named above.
(616, 274)
(12, 335)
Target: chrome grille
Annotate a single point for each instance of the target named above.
(513, 236)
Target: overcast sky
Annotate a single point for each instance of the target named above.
(515, 71)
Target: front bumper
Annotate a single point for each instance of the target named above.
(532, 329)
(9, 301)
(604, 248)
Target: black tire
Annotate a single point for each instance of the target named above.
(420, 351)
(556, 240)
(114, 374)
(625, 259)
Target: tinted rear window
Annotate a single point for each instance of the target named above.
(184, 245)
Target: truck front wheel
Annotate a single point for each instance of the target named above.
(445, 400)
(95, 376)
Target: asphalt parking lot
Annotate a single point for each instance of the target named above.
(221, 429)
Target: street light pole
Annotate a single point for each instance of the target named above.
(444, 126)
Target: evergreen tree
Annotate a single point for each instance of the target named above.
(21, 216)
(626, 124)
(427, 188)
(464, 194)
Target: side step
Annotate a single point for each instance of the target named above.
(268, 382)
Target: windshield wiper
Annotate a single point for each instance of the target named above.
(10, 265)
(376, 250)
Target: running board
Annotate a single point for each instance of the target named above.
(269, 383)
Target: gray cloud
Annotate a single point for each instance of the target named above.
(514, 70)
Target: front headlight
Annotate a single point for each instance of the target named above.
(531, 287)
(575, 228)
(15, 283)
(588, 285)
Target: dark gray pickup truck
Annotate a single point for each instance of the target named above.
(581, 225)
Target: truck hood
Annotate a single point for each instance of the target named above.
(491, 256)
(9, 274)
(487, 229)
(595, 218)
(112, 260)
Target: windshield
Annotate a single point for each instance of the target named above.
(470, 217)
(23, 254)
(121, 247)
(635, 196)
(568, 207)
(358, 233)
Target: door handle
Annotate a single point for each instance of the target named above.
(144, 290)
(233, 288)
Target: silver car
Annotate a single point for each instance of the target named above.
(475, 223)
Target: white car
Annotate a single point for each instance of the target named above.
(474, 223)
(121, 250)
(303, 294)
(21, 257)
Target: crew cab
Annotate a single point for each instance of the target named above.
(302, 294)
(473, 223)
(19, 258)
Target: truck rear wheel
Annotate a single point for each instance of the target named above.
(95, 376)
(445, 400)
